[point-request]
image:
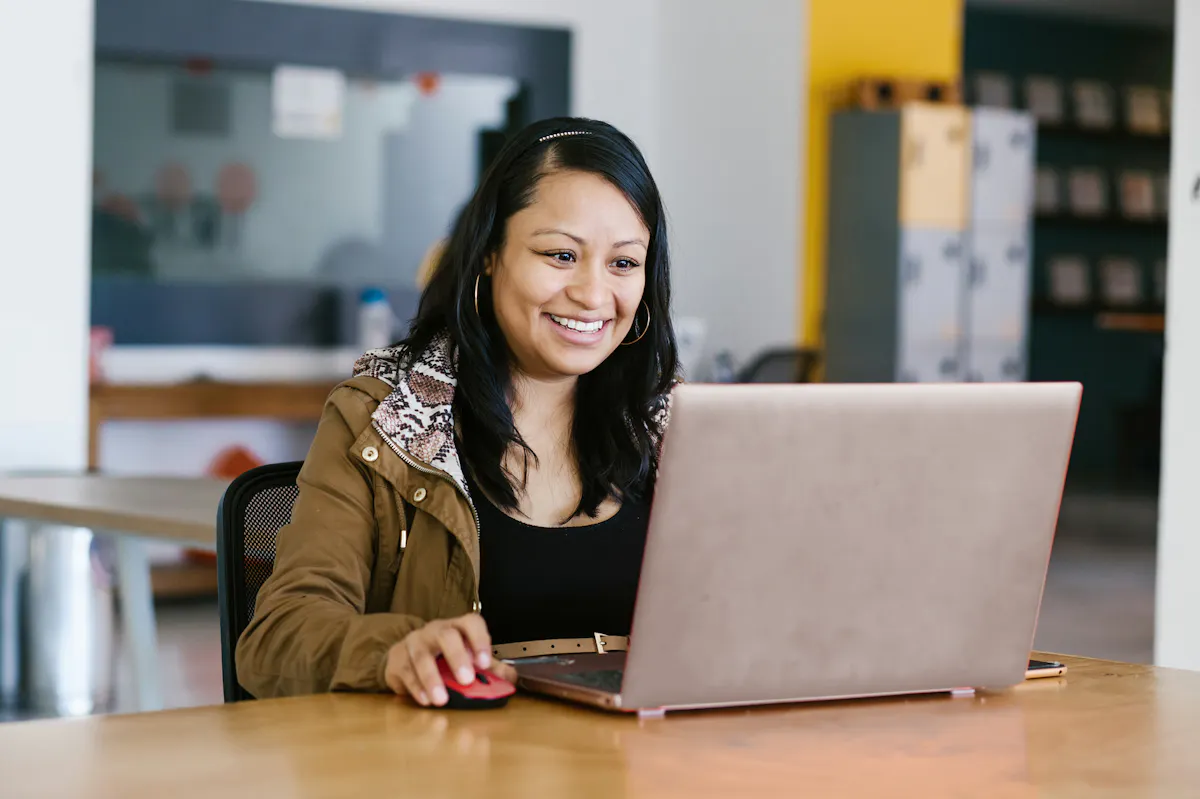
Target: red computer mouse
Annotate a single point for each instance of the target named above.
(487, 691)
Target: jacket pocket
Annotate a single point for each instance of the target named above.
(389, 524)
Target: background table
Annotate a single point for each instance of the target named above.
(182, 510)
(1106, 729)
(299, 402)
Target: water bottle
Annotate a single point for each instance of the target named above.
(376, 322)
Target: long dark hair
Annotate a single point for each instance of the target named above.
(614, 428)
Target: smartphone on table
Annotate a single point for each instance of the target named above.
(1044, 668)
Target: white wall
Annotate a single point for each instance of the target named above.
(1177, 622)
(732, 83)
(713, 92)
(45, 164)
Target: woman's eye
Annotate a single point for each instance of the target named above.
(562, 257)
(624, 264)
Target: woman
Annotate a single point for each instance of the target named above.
(487, 480)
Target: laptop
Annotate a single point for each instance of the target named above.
(817, 542)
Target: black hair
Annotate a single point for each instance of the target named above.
(614, 428)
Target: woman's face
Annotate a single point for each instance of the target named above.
(568, 282)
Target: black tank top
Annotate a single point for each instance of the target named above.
(558, 582)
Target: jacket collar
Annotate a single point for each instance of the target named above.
(418, 415)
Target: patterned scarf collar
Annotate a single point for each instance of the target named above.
(418, 416)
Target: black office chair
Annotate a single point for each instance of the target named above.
(782, 365)
(252, 511)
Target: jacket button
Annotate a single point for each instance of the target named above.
(370, 454)
(418, 495)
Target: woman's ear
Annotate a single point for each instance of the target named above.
(489, 265)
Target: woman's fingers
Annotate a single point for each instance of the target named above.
(463, 642)
(458, 657)
(400, 676)
(478, 639)
(505, 671)
(411, 685)
(424, 664)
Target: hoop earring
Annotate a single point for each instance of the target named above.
(477, 293)
(645, 329)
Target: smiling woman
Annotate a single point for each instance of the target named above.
(506, 451)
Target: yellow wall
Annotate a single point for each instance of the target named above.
(850, 39)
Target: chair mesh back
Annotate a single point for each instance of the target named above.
(780, 366)
(266, 512)
(254, 509)
(778, 369)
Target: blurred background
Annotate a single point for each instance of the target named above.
(211, 207)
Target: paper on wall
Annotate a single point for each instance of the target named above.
(307, 102)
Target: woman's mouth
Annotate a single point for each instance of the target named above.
(578, 325)
(578, 331)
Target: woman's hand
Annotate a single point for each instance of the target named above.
(465, 644)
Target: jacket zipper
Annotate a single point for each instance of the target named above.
(404, 456)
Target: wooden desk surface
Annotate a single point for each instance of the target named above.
(1104, 730)
(180, 509)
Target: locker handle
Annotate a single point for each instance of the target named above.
(978, 272)
(914, 154)
(911, 270)
(982, 157)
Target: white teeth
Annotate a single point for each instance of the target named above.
(575, 324)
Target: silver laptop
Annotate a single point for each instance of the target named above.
(812, 542)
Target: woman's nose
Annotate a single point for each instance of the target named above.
(588, 287)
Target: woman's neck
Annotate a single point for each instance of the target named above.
(543, 411)
(543, 403)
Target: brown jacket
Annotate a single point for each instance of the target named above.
(351, 576)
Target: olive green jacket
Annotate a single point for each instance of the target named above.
(384, 535)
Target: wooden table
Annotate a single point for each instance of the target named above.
(182, 510)
(198, 399)
(1106, 729)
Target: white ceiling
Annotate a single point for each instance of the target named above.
(1152, 12)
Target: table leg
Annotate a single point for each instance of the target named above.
(137, 608)
(14, 559)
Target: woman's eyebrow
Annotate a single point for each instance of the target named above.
(583, 242)
(555, 231)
